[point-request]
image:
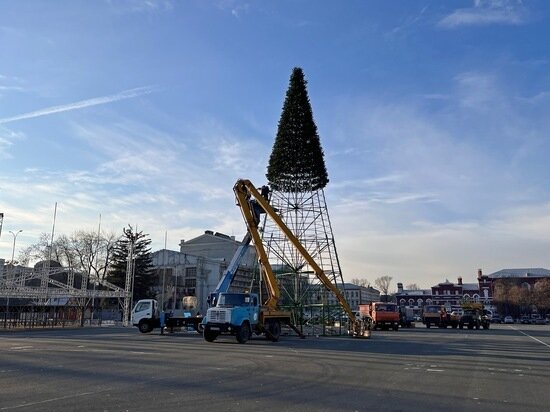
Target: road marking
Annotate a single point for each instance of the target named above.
(435, 370)
(21, 347)
(532, 337)
(24, 405)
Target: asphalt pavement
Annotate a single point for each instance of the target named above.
(505, 368)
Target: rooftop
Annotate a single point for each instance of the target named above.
(521, 273)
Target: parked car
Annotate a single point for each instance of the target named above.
(496, 319)
(537, 320)
(508, 319)
(525, 319)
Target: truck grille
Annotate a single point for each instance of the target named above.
(217, 316)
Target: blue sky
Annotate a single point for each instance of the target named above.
(433, 117)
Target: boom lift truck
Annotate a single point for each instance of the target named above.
(241, 314)
(229, 274)
(147, 314)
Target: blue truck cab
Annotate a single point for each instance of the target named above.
(235, 314)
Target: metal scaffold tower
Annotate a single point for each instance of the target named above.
(43, 289)
(306, 215)
(20, 283)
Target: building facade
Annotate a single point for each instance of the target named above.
(197, 268)
(453, 295)
(356, 295)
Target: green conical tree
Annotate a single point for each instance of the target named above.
(297, 161)
(143, 270)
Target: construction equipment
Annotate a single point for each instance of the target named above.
(384, 315)
(229, 274)
(147, 315)
(241, 314)
(406, 317)
(474, 316)
(437, 315)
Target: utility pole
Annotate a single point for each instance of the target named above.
(129, 289)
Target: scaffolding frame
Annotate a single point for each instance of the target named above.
(306, 215)
(17, 282)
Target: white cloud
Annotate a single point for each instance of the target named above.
(431, 252)
(486, 12)
(141, 6)
(444, 201)
(236, 7)
(127, 94)
(477, 90)
(135, 173)
(7, 139)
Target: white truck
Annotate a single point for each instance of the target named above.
(147, 316)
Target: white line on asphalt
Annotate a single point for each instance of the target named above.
(532, 337)
(435, 370)
(24, 405)
(21, 347)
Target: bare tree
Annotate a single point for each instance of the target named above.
(412, 286)
(41, 251)
(361, 282)
(93, 253)
(86, 251)
(541, 295)
(383, 283)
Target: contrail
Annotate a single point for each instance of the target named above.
(127, 94)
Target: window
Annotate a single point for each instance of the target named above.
(190, 272)
(141, 306)
(386, 308)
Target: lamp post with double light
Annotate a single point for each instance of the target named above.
(12, 267)
(14, 239)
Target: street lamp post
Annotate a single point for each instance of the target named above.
(14, 239)
(12, 268)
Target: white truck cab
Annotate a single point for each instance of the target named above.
(145, 309)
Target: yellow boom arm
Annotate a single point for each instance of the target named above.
(245, 192)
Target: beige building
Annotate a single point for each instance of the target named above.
(198, 267)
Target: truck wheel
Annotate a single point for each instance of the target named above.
(243, 333)
(274, 330)
(208, 335)
(396, 327)
(144, 326)
(428, 325)
(477, 326)
(470, 326)
(199, 327)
